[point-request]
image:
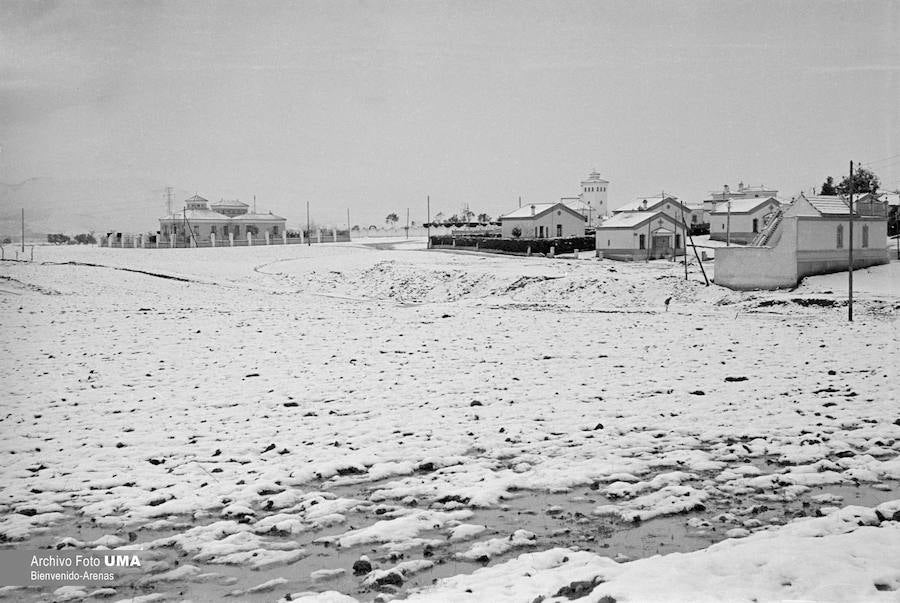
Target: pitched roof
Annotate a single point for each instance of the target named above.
(196, 198)
(197, 214)
(630, 219)
(525, 210)
(742, 206)
(250, 217)
(829, 205)
(540, 209)
(652, 202)
(231, 203)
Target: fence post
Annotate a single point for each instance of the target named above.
(268, 242)
(249, 239)
(576, 254)
(172, 240)
(284, 236)
(212, 239)
(599, 254)
(231, 239)
(552, 251)
(528, 252)
(158, 237)
(334, 235)
(318, 235)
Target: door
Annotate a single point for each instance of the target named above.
(661, 246)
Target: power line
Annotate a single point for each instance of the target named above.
(881, 160)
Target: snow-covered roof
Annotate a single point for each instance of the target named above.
(742, 206)
(230, 203)
(525, 210)
(630, 219)
(891, 198)
(652, 202)
(250, 217)
(196, 199)
(197, 215)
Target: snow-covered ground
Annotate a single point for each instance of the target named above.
(258, 419)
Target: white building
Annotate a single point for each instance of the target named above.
(743, 218)
(668, 204)
(811, 236)
(542, 221)
(199, 225)
(637, 235)
(741, 192)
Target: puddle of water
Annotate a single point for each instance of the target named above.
(558, 519)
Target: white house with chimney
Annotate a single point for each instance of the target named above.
(542, 221)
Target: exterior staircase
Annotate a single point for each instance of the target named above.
(761, 239)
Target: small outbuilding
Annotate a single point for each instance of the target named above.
(543, 221)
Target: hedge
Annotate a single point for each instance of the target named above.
(519, 245)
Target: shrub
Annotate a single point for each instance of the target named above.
(516, 232)
(699, 229)
(519, 245)
(86, 239)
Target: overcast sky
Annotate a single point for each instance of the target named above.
(374, 105)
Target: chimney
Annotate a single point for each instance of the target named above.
(532, 210)
(645, 204)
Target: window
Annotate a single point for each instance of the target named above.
(642, 243)
(865, 237)
(677, 241)
(274, 230)
(212, 229)
(559, 230)
(840, 236)
(694, 219)
(225, 230)
(755, 225)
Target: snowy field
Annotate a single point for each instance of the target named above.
(357, 422)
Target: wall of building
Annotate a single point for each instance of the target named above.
(775, 267)
(741, 224)
(807, 246)
(572, 226)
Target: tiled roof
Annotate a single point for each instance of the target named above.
(829, 205)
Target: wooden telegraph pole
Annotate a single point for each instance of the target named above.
(850, 253)
(428, 210)
(23, 230)
(308, 233)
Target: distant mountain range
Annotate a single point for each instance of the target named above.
(73, 206)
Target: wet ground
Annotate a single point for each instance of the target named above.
(563, 519)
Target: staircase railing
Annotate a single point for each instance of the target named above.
(763, 237)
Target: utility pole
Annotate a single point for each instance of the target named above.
(23, 230)
(728, 225)
(520, 200)
(308, 233)
(407, 222)
(850, 253)
(254, 203)
(428, 210)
